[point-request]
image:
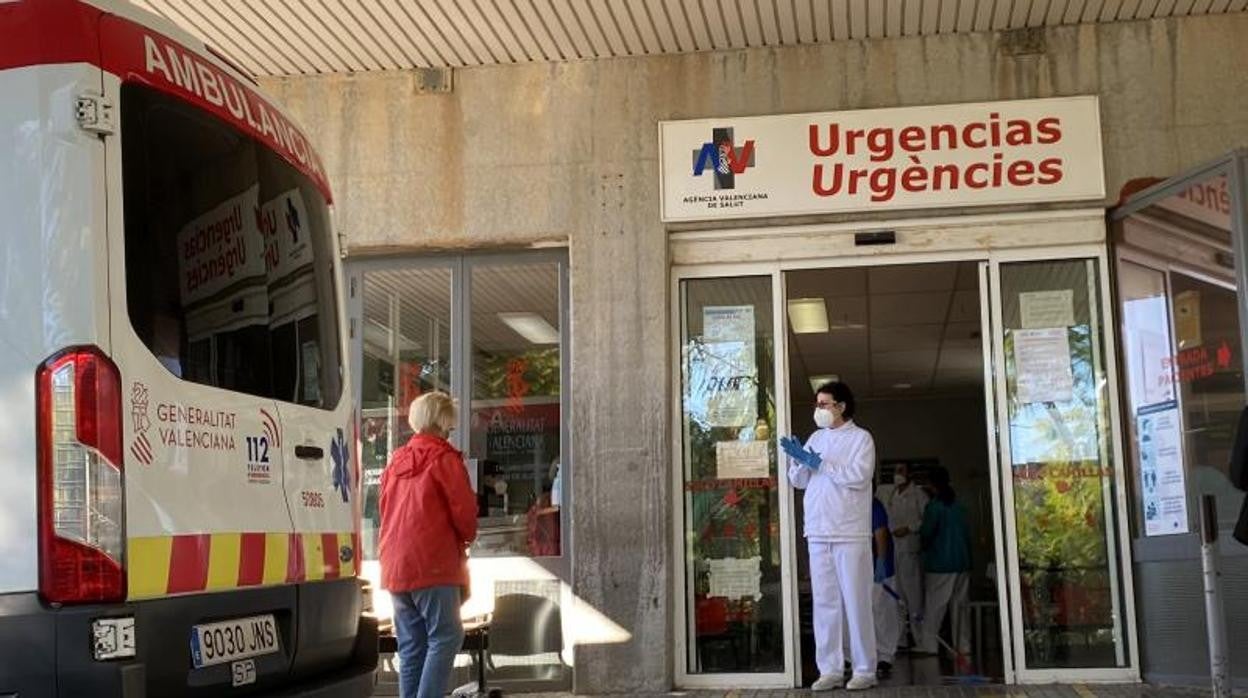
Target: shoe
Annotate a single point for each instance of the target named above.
(862, 683)
(883, 670)
(828, 683)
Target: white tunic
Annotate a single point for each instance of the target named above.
(905, 510)
(838, 496)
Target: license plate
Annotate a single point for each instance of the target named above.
(227, 641)
(243, 672)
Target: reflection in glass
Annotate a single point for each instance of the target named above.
(1061, 464)
(229, 256)
(732, 513)
(407, 352)
(515, 418)
(1183, 348)
(1208, 368)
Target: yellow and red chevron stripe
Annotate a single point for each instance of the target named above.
(166, 565)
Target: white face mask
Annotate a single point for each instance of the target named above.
(900, 479)
(823, 418)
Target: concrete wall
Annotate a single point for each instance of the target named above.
(567, 153)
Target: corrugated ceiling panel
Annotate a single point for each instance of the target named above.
(769, 21)
(659, 23)
(966, 15)
(293, 37)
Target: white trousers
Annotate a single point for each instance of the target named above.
(884, 609)
(840, 573)
(947, 592)
(909, 584)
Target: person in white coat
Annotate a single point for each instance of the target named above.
(835, 467)
(905, 516)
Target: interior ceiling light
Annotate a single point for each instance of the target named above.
(808, 315)
(902, 386)
(817, 382)
(531, 326)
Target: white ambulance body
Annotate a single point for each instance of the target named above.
(178, 483)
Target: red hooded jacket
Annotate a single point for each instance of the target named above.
(428, 516)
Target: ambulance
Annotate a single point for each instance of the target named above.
(179, 486)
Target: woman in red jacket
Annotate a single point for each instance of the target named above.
(428, 520)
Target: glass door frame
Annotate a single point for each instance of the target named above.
(792, 676)
(682, 595)
(1149, 261)
(1117, 516)
(996, 434)
(460, 266)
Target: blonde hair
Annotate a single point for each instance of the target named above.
(432, 412)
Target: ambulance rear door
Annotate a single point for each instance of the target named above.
(315, 408)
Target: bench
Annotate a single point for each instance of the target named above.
(476, 643)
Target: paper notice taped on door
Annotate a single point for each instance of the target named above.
(1045, 309)
(736, 578)
(741, 460)
(1042, 366)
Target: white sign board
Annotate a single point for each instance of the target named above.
(882, 159)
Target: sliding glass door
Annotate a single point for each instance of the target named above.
(1062, 474)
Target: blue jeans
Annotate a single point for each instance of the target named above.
(430, 634)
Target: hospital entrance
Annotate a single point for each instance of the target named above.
(994, 368)
(908, 340)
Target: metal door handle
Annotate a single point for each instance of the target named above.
(309, 452)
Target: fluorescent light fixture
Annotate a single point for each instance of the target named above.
(379, 335)
(808, 315)
(531, 326)
(902, 386)
(817, 382)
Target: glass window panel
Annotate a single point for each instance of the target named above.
(732, 509)
(1208, 368)
(1063, 473)
(229, 256)
(406, 352)
(1147, 354)
(514, 440)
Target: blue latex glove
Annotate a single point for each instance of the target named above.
(794, 449)
(879, 571)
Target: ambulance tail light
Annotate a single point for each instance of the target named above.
(81, 499)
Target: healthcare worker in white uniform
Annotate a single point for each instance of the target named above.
(835, 468)
(905, 516)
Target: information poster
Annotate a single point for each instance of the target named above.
(1042, 366)
(1045, 309)
(1163, 482)
(741, 460)
(726, 369)
(736, 578)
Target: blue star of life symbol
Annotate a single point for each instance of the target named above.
(338, 452)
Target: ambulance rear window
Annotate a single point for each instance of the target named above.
(229, 256)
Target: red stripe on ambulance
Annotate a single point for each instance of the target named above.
(188, 563)
(251, 564)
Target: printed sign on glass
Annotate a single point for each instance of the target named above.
(1163, 483)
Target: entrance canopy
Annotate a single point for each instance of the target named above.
(301, 37)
